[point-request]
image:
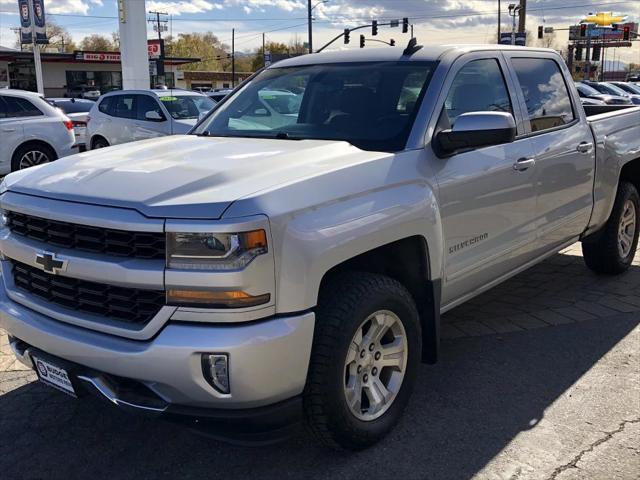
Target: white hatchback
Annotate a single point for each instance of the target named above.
(129, 115)
(33, 132)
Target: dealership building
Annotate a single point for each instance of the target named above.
(64, 72)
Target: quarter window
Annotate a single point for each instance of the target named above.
(545, 93)
(20, 107)
(478, 87)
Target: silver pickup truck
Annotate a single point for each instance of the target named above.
(292, 262)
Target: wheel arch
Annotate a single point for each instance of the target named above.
(630, 172)
(407, 261)
(96, 136)
(33, 142)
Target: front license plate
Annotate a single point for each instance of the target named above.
(54, 376)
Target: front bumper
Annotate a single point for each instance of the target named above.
(268, 359)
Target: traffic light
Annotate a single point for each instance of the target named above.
(540, 31)
(347, 36)
(578, 52)
(362, 40)
(405, 25)
(626, 33)
(596, 53)
(583, 29)
(392, 42)
(374, 28)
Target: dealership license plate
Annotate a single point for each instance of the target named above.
(54, 376)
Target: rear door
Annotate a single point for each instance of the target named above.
(487, 205)
(563, 145)
(124, 117)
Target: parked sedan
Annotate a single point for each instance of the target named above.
(130, 115)
(628, 87)
(33, 131)
(587, 91)
(611, 89)
(84, 91)
(77, 109)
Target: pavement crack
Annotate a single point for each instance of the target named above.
(608, 436)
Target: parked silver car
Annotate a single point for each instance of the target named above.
(77, 109)
(33, 132)
(129, 115)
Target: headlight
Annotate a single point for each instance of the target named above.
(214, 251)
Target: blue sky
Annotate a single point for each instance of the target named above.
(436, 21)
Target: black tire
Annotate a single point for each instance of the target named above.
(17, 162)
(99, 142)
(345, 302)
(602, 254)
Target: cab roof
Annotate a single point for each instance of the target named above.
(393, 54)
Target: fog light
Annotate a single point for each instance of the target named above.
(215, 367)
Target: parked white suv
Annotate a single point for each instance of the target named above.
(129, 115)
(33, 132)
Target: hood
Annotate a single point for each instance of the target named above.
(183, 176)
(184, 125)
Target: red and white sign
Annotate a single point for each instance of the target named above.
(154, 49)
(100, 57)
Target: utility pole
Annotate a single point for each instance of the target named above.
(522, 24)
(310, 25)
(233, 58)
(513, 12)
(160, 61)
(264, 61)
(587, 68)
(499, 20)
(36, 52)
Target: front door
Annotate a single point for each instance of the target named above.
(487, 205)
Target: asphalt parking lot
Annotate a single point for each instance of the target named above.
(539, 379)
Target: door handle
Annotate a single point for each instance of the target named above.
(8, 129)
(524, 164)
(585, 147)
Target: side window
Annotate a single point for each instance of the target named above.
(545, 92)
(4, 112)
(106, 105)
(123, 106)
(20, 107)
(147, 104)
(478, 87)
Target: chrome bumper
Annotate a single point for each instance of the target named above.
(268, 359)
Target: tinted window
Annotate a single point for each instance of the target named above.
(20, 107)
(3, 108)
(545, 93)
(106, 105)
(146, 104)
(69, 106)
(370, 105)
(123, 106)
(478, 87)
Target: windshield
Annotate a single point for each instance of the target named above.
(613, 90)
(370, 105)
(586, 89)
(630, 88)
(184, 107)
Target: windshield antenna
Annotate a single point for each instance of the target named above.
(412, 47)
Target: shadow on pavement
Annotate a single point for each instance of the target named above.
(464, 411)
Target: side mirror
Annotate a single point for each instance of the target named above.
(153, 116)
(478, 129)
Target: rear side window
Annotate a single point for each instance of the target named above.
(545, 93)
(106, 106)
(20, 107)
(124, 106)
(479, 86)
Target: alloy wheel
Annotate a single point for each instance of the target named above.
(33, 158)
(627, 229)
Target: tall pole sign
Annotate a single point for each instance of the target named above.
(33, 30)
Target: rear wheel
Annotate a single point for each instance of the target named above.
(99, 142)
(615, 247)
(31, 155)
(364, 360)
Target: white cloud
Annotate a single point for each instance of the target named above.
(184, 6)
(55, 6)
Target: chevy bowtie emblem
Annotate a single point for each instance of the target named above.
(50, 263)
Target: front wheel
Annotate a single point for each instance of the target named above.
(615, 247)
(364, 361)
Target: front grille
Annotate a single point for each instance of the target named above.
(119, 243)
(128, 305)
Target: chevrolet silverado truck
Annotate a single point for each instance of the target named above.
(259, 271)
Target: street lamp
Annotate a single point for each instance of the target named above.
(310, 21)
(514, 11)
